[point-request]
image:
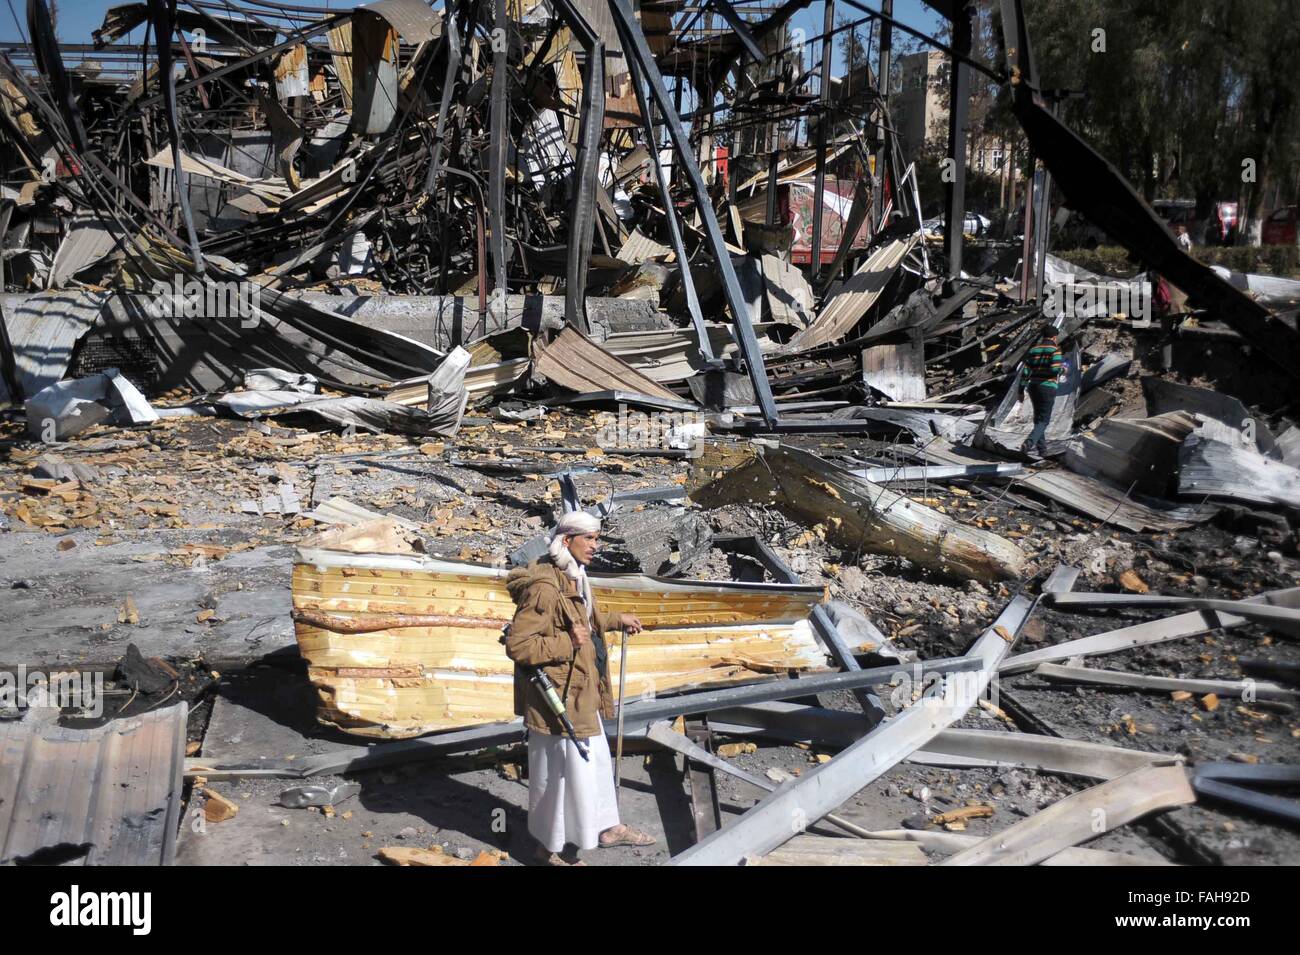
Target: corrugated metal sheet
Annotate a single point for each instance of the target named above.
(415, 20)
(897, 371)
(1086, 495)
(104, 796)
(1128, 452)
(641, 248)
(374, 74)
(846, 307)
(339, 510)
(291, 73)
(479, 380)
(1218, 469)
(44, 328)
(575, 362)
(1268, 290)
(789, 296)
(1223, 417)
(439, 664)
(668, 354)
(87, 242)
(340, 39)
(596, 13)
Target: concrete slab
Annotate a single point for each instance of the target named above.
(462, 803)
(448, 803)
(269, 713)
(61, 606)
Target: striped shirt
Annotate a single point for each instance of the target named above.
(1042, 364)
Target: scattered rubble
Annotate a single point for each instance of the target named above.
(312, 331)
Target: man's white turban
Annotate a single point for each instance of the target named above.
(575, 522)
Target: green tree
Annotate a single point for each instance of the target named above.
(1178, 94)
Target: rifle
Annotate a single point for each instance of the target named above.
(546, 686)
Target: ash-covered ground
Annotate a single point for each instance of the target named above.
(158, 551)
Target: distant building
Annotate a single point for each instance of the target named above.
(919, 108)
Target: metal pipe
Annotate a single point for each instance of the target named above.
(622, 688)
(499, 106)
(582, 207)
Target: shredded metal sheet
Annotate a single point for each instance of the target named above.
(44, 328)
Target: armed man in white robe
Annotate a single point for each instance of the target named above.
(562, 689)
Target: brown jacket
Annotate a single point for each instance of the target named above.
(546, 606)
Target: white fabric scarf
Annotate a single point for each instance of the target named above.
(572, 569)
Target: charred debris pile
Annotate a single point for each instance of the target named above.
(491, 238)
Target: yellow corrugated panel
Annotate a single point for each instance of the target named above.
(409, 681)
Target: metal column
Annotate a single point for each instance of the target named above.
(823, 122)
(582, 206)
(701, 781)
(1027, 243)
(883, 134)
(1042, 230)
(670, 215)
(451, 43)
(160, 14)
(496, 198)
(8, 359)
(958, 105)
(773, 163)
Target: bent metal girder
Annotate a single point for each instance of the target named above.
(582, 206)
(670, 217)
(634, 44)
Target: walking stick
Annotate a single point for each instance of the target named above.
(622, 683)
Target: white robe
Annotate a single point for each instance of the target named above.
(570, 800)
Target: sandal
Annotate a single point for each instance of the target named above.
(543, 857)
(627, 837)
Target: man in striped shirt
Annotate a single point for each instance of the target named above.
(1038, 376)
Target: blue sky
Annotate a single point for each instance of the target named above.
(78, 17)
(912, 12)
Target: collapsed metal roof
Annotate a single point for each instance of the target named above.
(104, 796)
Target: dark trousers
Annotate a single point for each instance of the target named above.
(1043, 395)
